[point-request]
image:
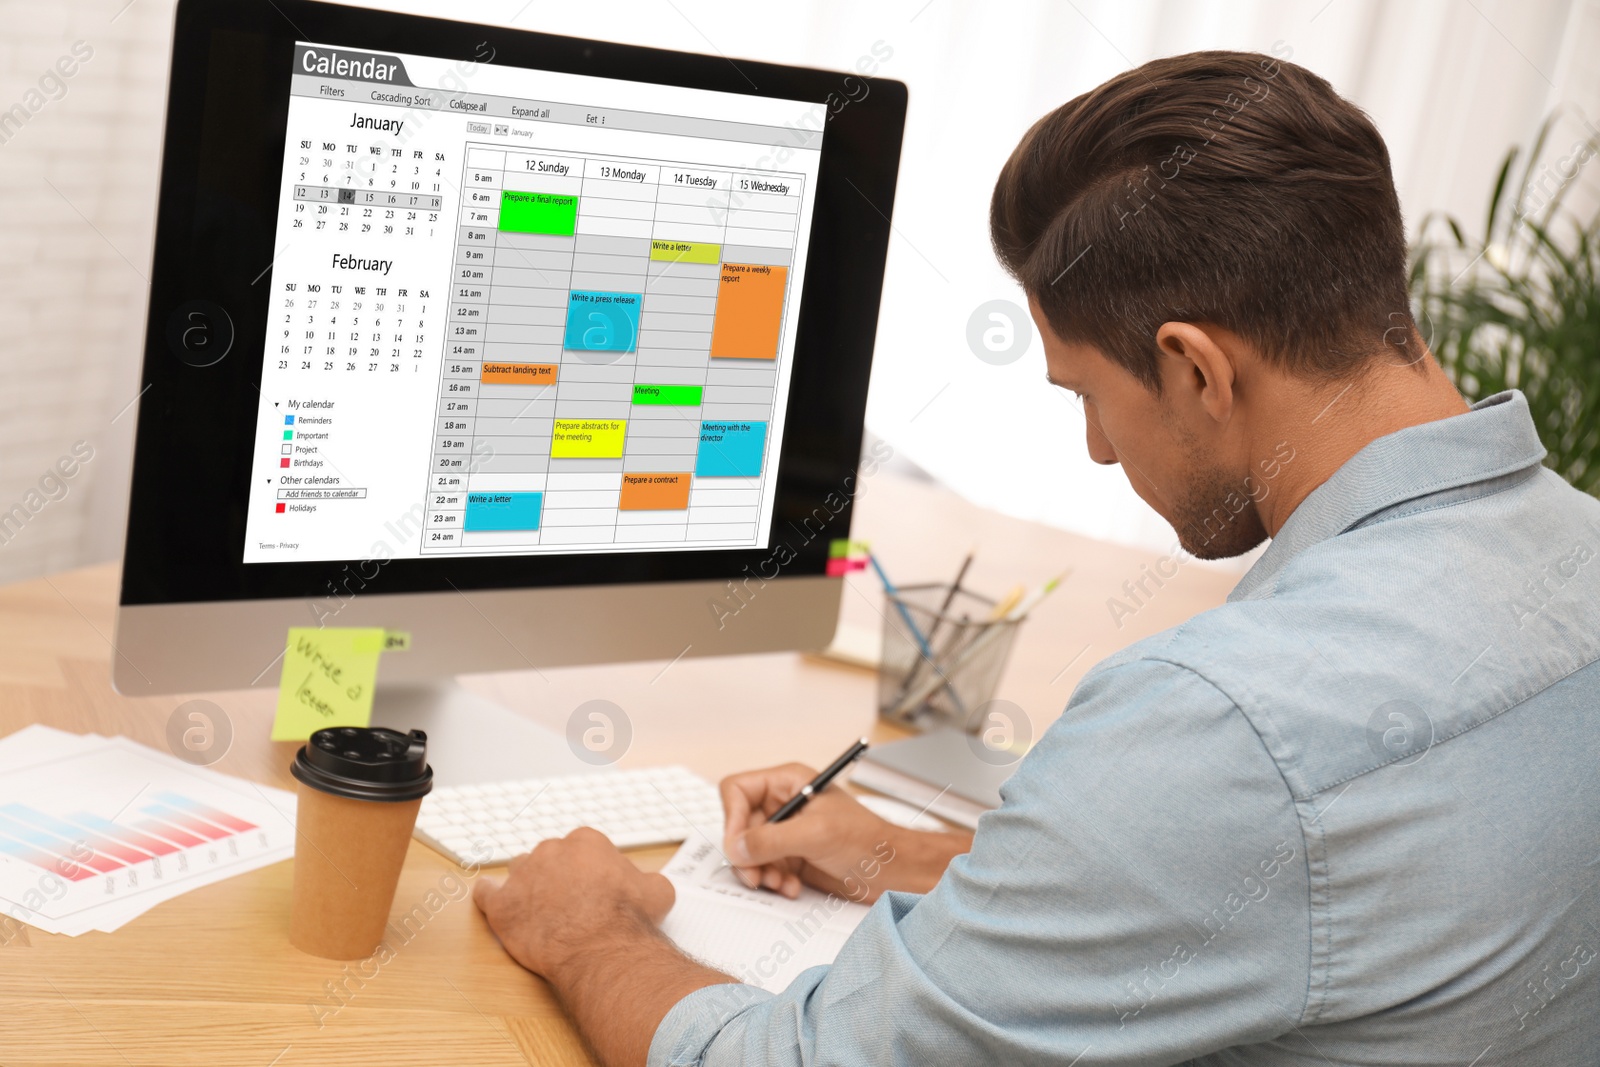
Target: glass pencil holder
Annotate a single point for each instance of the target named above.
(943, 655)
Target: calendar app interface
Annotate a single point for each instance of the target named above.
(517, 312)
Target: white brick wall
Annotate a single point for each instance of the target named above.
(72, 300)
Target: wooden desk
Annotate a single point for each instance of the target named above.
(211, 979)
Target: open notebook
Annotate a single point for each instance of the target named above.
(757, 936)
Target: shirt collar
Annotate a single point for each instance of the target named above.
(1497, 437)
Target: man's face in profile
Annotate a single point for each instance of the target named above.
(1173, 467)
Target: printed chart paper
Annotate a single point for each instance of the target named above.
(95, 831)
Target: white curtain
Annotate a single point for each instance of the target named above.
(1451, 83)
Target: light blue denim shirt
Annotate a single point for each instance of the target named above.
(1350, 817)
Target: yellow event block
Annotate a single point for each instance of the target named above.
(328, 677)
(588, 438)
(685, 251)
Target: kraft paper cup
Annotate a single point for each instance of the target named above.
(360, 790)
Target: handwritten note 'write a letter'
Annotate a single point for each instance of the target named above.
(328, 678)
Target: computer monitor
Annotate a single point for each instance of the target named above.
(546, 351)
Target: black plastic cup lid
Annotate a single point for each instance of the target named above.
(366, 763)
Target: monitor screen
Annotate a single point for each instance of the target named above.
(523, 312)
(441, 307)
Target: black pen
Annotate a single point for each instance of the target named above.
(820, 782)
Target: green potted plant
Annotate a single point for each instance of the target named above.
(1519, 307)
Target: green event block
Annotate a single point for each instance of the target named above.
(685, 251)
(667, 395)
(553, 214)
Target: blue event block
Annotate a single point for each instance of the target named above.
(503, 511)
(730, 449)
(602, 322)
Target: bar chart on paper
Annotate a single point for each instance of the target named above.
(82, 844)
(102, 829)
(612, 363)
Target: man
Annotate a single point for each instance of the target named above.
(1351, 816)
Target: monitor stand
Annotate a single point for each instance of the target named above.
(472, 739)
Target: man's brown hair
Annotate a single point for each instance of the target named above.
(1230, 188)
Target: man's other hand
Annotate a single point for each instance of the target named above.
(568, 895)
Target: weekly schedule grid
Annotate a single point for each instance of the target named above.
(611, 363)
(521, 312)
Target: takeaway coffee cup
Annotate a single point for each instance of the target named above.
(360, 789)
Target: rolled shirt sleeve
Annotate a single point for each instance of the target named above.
(1140, 897)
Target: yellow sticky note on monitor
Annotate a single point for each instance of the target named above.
(328, 677)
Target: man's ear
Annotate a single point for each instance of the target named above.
(1198, 367)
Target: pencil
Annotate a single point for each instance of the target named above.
(938, 620)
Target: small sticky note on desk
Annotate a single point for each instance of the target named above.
(328, 677)
(845, 556)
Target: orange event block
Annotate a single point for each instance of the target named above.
(655, 492)
(519, 373)
(749, 311)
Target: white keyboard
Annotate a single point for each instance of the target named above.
(490, 823)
